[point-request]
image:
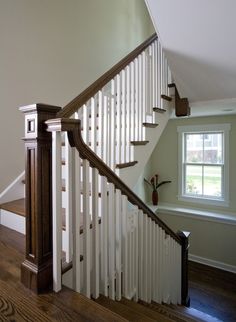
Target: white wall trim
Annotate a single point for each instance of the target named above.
(228, 218)
(14, 191)
(212, 263)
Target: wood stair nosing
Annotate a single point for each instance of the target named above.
(150, 125)
(166, 97)
(159, 110)
(126, 165)
(139, 142)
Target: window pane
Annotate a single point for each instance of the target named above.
(193, 180)
(212, 181)
(194, 148)
(213, 148)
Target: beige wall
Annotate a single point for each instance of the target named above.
(164, 160)
(53, 49)
(209, 240)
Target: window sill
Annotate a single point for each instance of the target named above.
(205, 201)
(199, 214)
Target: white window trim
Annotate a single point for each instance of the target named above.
(196, 129)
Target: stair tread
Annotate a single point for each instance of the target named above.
(126, 165)
(166, 97)
(151, 125)
(123, 310)
(15, 206)
(146, 311)
(139, 142)
(158, 110)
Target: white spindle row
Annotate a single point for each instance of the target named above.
(124, 252)
(115, 115)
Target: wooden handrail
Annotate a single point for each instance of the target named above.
(82, 98)
(73, 127)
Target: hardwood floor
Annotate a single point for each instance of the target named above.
(213, 291)
(19, 304)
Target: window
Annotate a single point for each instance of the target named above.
(203, 163)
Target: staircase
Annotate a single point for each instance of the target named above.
(81, 164)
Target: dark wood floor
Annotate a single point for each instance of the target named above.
(19, 304)
(213, 291)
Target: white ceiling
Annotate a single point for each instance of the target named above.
(199, 37)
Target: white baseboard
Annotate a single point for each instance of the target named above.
(212, 263)
(12, 221)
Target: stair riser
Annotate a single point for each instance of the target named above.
(12, 221)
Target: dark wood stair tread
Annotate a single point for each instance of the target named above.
(123, 310)
(158, 110)
(139, 142)
(150, 125)
(167, 98)
(126, 165)
(15, 206)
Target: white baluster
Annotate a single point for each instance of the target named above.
(57, 207)
(141, 255)
(149, 260)
(118, 119)
(133, 103)
(86, 231)
(104, 237)
(128, 114)
(105, 130)
(118, 244)
(76, 224)
(123, 116)
(140, 97)
(95, 234)
(124, 246)
(68, 199)
(136, 261)
(111, 241)
(93, 124)
(100, 123)
(112, 125)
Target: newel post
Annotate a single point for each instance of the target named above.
(184, 235)
(36, 270)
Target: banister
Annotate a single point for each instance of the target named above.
(73, 127)
(82, 98)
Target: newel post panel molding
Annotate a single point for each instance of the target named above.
(36, 270)
(184, 235)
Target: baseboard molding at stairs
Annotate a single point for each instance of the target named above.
(212, 263)
(12, 221)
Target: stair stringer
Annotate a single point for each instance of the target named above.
(142, 153)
